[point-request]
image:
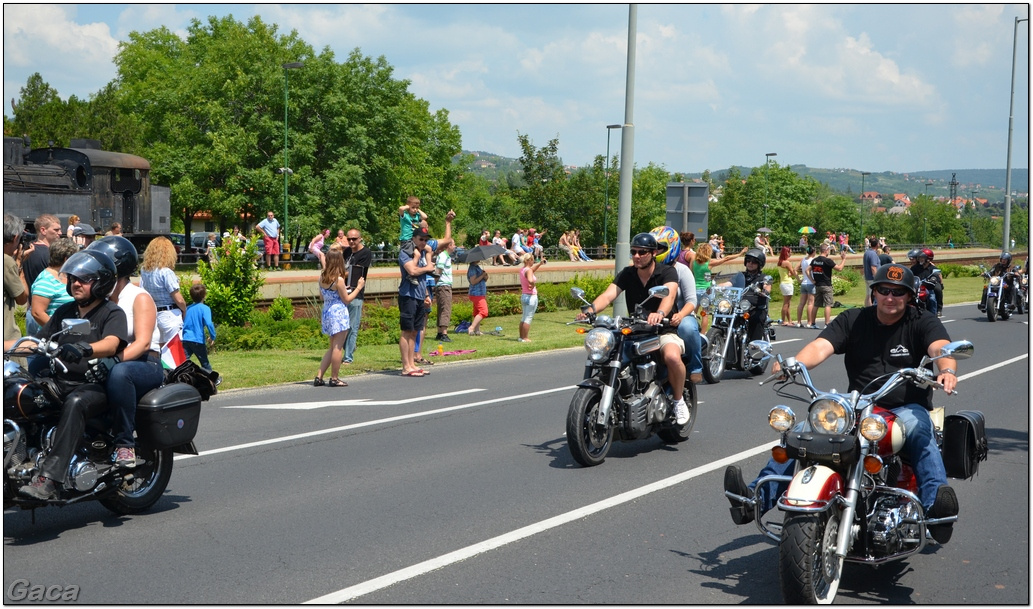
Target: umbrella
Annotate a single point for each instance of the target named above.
(483, 252)
(807, 229)
(764, 229)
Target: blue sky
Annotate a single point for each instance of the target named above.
(904, 88)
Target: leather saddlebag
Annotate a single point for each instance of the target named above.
(964, 443)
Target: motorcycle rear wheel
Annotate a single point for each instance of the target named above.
(713, 362)
(149, 482)
(588, 443)
(808, 568)
(680, 433)
(991, 309)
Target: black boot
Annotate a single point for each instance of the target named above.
(946, 504)
(741, 513)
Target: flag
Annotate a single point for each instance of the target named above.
(172, 354)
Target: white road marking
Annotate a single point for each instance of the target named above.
(993, 367)
(427, 566)
(355, 402)
(788, 340)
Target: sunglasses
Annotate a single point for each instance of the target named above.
(896, 293)
(81, 280)
(354, 238)
(641, 252)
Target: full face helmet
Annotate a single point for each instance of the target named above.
(669, 237)
(757, 255)
(894, 274)
(120, 250)
(96, 267)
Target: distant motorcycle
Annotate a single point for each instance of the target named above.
(625, 394)
(1002, 294)
(728, 336)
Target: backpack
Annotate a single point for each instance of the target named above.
(462, 327)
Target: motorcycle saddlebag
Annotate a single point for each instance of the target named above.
(964, 443)
(167, 417)
(827, 449)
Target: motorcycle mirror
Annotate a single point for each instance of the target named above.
(959, 349)
(76, 327)
(768, 280)
(659, 291)
(936, 272)
(759, 349)
(577, 293)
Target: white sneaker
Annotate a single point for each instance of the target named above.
(681, 412)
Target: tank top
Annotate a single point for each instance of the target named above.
(783, 276)
(699, 272)
(126, 298)
(804, 265)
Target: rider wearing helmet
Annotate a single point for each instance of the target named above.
(753, 273)
(923, 269)
(999, 270)
(875, 341)
(91, 277)
(636, 280)
(139, 369)
(685, 303)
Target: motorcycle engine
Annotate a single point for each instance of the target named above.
(644, 410)
(890, 533)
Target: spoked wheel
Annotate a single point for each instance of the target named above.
(713, 361)
(991, 309)
(679, 433)
(588, 442)
(148, 482)
(809, 569)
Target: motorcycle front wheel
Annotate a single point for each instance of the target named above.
(679, 433)
(588, 443)
(808, 568)
(147, 484)
(991, 309)
(713, 362)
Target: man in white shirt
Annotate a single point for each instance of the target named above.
(271, 238)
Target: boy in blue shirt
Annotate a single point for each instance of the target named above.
(198, 317)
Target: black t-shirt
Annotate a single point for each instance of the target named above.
(885, 259)
(357, 265)
(35, 262)
(821, 270)
(635, 292)
(106, 319)
(873, 349)
(922, 272)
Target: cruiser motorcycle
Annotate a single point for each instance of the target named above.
(166, 421)
(728, 336)
(925, 287)
(853, 498)
(1002, 294)
(625, 394)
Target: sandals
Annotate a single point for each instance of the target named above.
(415, 373)
(477, 333)
(336, 383)
(423, 361)
(318, 382)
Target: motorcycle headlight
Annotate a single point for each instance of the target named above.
(873, 428)
(781, 418)
(724, 306)
(744, 305)
(598, 343)
(1025, 280)
(995, 281)
(831, 415)
(704, 303)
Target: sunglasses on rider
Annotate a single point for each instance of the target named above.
(81, 280)
(641, 252)
(896, 293)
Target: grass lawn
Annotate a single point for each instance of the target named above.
(548, 331)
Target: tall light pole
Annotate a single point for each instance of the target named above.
(286, 169)
(1011, 113)
(927, 185)
(863, 174)
(606, 170)
(767, 184)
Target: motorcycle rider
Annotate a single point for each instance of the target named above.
(923, 269)
(877, 340)
(91, 277)
(685, 303)
(753, 274)
(645, 273)
(999, 270)
(139, 368)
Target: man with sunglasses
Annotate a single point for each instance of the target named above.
(357, 260)
(636, 280)
(875, 341)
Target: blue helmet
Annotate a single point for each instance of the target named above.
(667, 236)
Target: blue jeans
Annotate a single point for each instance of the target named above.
(582, 255)
(200, 350)
(688, 331)
(354, 315)
(919, 448)
(126, 383)
(931, 302)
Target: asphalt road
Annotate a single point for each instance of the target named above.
(458, 488)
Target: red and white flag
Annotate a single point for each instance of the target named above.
(172, 354)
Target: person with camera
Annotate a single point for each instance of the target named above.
(16, 291)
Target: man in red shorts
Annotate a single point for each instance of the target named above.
(271, 237)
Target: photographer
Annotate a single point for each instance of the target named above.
(15, 290)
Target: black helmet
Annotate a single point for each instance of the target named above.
(895, 274)
(757, 254)
(912, 254)
(93, 265)
(121, 251)
(647, 241)
(1006, 256)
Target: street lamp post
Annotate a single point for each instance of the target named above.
(927, 185)
(1011, 114)
(765, 215)
(863, 174)
(767, 184)
(286, 169)
(606, 172)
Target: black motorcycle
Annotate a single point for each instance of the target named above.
(625, 394)
(1003, 295)
(730, 310)
(166, 421)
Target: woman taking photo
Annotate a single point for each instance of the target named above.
(159, 279)
(528, 294)
(334, 288)
(786, 274)
(50, 291)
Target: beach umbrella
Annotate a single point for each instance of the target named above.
(764, 229)
(483, 252)
(808, 230)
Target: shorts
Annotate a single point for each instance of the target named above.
(529, 304)
(480, 305)
(786, 289)
(823, 295)
(671, 337)
(806, 288)
(272, 245)
(412, 316)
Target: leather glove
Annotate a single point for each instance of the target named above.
(73, 353)
(100, 369)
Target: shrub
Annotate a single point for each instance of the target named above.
(281, 309)
(232, 282)
(959, 270)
